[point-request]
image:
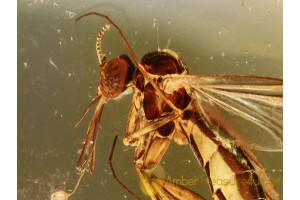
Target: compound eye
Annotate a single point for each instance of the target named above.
(115, 75)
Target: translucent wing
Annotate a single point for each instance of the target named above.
(244, 109)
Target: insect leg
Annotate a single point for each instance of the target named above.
(95, 99)
(160, 189)
(149, 153)
(113, 171)
(155, 124)
(92, 130)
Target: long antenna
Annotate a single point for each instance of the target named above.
(140, 66)
(117, 29)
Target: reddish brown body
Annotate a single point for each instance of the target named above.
(161, 63)
(169, 104)
(115, 75)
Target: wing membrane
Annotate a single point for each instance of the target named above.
(244, 109)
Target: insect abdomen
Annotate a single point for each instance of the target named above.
(230, 174)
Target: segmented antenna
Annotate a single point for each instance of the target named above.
(139, 65)
(100, 55)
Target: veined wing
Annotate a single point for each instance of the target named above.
(247, 110)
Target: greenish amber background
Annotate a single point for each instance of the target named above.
(58, 76)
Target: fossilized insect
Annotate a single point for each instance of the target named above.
(203, 111)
